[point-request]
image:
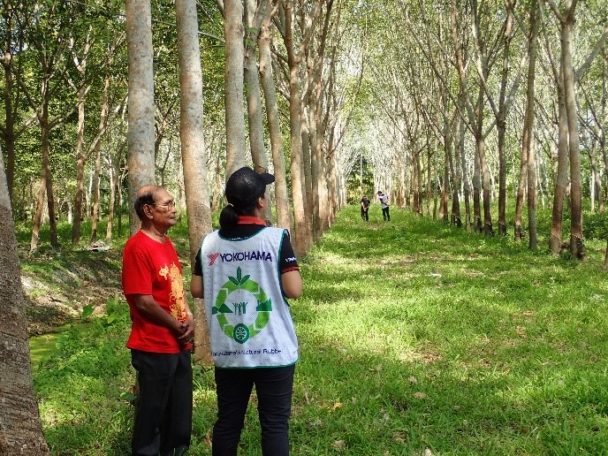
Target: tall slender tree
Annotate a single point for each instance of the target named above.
(140, 135)
(235, 113)
(193, 147)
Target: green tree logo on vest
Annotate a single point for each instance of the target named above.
(243, 287)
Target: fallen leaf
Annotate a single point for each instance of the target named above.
(419, 395)
(399, 437)
(336, 406)
(338, 445)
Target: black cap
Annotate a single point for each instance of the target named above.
(245, 185)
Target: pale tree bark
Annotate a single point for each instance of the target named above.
(45, 126)
(96, 194)
(576, 198)
(193, 150)
(116, 174)
(307, 166)
(113, 178)
(303, 235)
(12, 46)
(528, 132)
(80, 63)
(316, 64)
(447, 145)
(40, 192)
(20, 428)
(255, 12)
(456, 218)
(140, 136)
(466, 186)
(521, 190)
(234, 60)
(274, 125)
(96, 150)
(561, 178)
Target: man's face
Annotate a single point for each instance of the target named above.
(163, 211)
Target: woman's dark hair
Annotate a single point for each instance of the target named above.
(243, 189)
(230, 214)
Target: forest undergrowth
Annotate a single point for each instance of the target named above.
(415, 336)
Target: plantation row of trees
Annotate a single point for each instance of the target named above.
(464, 104)
(98, 94)
(475, 102)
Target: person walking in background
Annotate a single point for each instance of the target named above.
(245, 271)
(161, 329)
(384, 205)
(365, 202)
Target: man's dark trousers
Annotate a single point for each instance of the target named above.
(163, 418)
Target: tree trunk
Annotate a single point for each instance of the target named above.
(46, 167)
(456, 218)
(40, 191)
(252, 82)
(303, 237)
(235, 127)
(417, 182)
(20, 428)
(561, 180)
(445, 187)
(80, 163)
(521, 189)
(576, 204)
(113, 178)
(274, 126)
(9, 117)
(307, 162)
(477, 225)
(466, 187)
(193, 151)
(529, 128)
(501, 126)
(140, 135)
(96, 193)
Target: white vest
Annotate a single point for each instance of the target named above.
(249, 319)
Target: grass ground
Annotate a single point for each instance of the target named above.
(414, 336)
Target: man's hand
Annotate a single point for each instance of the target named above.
(187, 329)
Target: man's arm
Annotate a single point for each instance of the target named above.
(155, 313)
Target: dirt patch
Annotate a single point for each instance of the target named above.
(59, 285)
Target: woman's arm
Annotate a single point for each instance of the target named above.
(291, 282)
(196, 286)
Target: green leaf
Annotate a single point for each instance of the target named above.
(87, 311)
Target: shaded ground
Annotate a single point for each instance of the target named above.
(59, 285)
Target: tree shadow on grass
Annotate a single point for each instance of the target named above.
(351, 401)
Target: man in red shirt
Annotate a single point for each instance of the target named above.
(161, 329)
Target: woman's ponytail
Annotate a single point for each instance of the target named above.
(228, 217)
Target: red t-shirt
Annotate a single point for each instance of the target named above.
(152, 268)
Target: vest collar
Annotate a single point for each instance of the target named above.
(250, 220)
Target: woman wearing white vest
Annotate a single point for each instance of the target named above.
(245, 271)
